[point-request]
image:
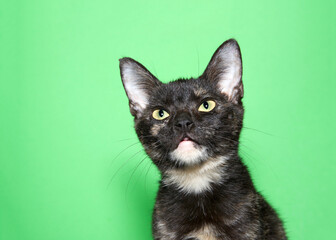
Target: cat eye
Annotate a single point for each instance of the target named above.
(207, 106)
(160, 114)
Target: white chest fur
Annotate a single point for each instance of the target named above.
(196, 179)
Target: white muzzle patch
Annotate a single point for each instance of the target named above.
(188, 153)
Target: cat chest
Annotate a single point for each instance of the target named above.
(207, 232)
(203, 217)
(191, 219)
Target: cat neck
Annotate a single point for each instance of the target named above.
(198, 178)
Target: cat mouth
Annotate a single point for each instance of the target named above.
(186, 140)
(188, 151)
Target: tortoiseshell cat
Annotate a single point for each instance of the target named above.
(190, 129)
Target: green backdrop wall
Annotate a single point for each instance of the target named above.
(70, 164)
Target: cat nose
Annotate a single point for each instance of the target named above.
(183, 122)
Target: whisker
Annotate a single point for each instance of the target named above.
(142, 160)
(259, 131)
(148, 169)
(125, 139)
(243, 127)
(122, 152)
(122, 166)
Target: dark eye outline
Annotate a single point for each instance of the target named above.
(157, 116)
(211, 103)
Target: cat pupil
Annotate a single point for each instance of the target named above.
(205, 105)
(161, 113)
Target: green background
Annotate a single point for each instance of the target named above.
(70, 164)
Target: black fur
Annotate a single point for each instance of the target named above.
(230, 208)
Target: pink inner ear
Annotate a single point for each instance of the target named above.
(230, 80)
(138, 82)
(225, 67)
(135, 93)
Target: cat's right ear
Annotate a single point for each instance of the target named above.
(138, 83)
(225, 69)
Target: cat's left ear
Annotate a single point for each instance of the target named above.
(138, 83)
(225, 70)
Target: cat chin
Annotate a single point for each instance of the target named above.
(189, 153)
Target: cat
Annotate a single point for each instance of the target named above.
(190, 129)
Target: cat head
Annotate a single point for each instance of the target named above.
(188, 121)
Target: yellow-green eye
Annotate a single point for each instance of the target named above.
(160, 114)
(207, 106)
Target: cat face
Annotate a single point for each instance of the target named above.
(188, 121)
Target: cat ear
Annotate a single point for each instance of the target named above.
(138, 83)
(225, 69)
